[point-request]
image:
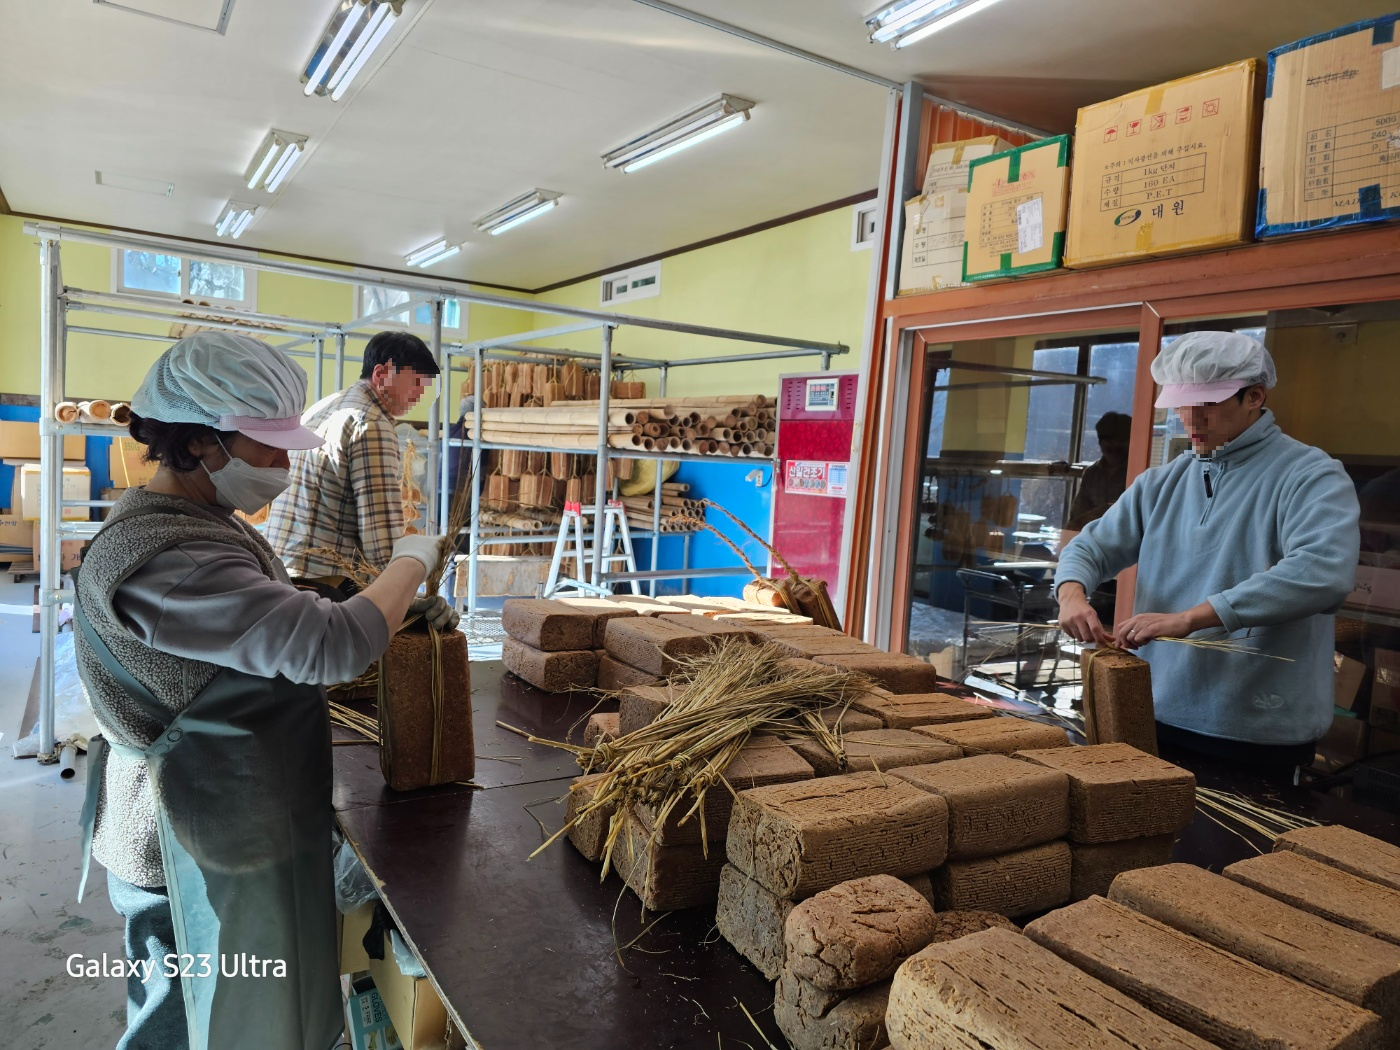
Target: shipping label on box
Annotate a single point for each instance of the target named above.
(1376, 588)
(1330, 150)
(931, 255)
(1016, 205)
(1165, 170)
(24, 496)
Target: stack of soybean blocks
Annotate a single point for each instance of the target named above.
(563, 644)
(840, 949)
(1298, 949)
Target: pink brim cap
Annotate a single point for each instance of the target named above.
(1178, 395)
(286, 432)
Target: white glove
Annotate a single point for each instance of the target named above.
(424, 549)
(437, 610)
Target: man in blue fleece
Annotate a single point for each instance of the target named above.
(1254, 537)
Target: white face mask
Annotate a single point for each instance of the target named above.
(242, 486)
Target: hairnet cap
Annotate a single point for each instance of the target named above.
(1201, 368)
(229, 382)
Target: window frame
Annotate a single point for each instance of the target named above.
(250, 282)
(650, 291)
(459, 329)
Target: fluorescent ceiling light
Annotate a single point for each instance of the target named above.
(355, 29)
(274, 160)
(432, 253)
(909, 21)
(682, 132)
(234, 219)
(524, 208)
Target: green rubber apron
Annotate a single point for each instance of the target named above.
(242, 783)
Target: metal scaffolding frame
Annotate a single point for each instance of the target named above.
(57, 301)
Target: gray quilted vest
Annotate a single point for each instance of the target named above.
(125, 839)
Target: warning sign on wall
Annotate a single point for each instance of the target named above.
(809, 478)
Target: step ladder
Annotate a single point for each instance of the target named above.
(570, 546)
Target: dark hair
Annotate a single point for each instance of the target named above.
(400, 349)
(169, 443)
(1114, 426)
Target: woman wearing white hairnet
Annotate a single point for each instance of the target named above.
(203, 664)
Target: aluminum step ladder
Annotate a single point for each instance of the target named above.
(570, 545)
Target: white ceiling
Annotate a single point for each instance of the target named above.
(472, 102)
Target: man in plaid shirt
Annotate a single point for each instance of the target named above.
(345, 495)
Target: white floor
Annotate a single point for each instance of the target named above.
(41, 923)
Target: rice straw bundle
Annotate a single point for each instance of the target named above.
(1222, 806)
(348, 718)
(730, 694)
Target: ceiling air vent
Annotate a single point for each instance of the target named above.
(134, 183)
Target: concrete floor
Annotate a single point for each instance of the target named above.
(41, 923)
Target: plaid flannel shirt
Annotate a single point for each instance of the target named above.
(344, 495)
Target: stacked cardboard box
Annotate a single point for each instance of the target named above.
(1165, 170)
(1017, 202)
(1328, 156)
(934, 221)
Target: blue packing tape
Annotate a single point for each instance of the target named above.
(1382, 32)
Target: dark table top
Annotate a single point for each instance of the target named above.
(539, 953)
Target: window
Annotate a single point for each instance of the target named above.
(865, 221)
(153, 273)
(640, 282)
(371, 300)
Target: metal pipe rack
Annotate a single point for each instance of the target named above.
(57, 301)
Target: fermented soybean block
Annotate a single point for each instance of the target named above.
(548, 625)
(798, 839)
(998, 989)
(857, 933)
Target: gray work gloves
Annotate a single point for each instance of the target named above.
(437, 610)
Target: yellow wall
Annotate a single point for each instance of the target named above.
(1358, 417)
(800, 280)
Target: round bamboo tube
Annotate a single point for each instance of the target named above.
(687, 445)
(649, 444)
(66, 412)
(95, 411)
(653, 430)
(722, 447)
(768, 450)
(121, 413)
(745, 449)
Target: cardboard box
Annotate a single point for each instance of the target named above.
(16, 535)
(1330, 151)
(1348, 678)
(419, 1017)
(353, 927)
(1376, 588)
(367, 1020)
(1385, 690)
(1345, 740)
(1016, 205)
(931, 256)
(128, 469)
(24, 496)
(70, 553)
(20, 440)
(1165, 170)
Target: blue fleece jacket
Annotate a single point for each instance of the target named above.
(1265, 529)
